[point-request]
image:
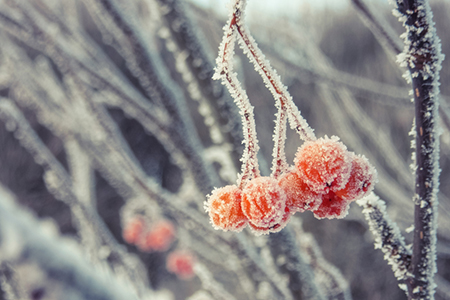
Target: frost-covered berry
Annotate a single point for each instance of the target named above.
(323, 164)
(332, 207)
(181, 263)
(133, 230)
(258, 230)
(224, 208)
(299, 197)
(263, 202)
(362, 179)
(159, 237)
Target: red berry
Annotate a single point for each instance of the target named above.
(275, 228)
(263, 202)
(361, 181)
(299, 196)
(224, 207)
(332, 207)
(133, 230)
(323, 164)
(159, 237)
(181, 263)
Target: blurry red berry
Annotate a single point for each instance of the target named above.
(263, 202)
(224, 207)
(133, 230)
(159, 238)
(323, 164)
(332, 207)
(362, 179)
(181, 263)
(299, 196)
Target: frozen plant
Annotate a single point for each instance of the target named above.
(325, 177)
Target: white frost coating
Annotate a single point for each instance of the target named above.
(271, 78)
(224, 71)
(387, 235)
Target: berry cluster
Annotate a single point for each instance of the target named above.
(325, 178)
(157, 238)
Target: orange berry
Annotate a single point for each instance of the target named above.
(275, 228)
(181, 263)
(263, 202)
(133, 230)
(224, 207)
(332, 207)
(362, 179)
(299, 196)
(159, 237)
(323, 164)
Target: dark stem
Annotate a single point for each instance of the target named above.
(423, 60)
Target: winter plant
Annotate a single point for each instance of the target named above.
(130, 141)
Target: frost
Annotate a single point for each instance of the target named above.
(409, 229)
(324, 164)
(387, 235)
(263, 202)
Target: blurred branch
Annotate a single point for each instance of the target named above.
(60, 260)
(380, 28)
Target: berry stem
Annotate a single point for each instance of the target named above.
(279, 164)
(224, 71)
(270, 77)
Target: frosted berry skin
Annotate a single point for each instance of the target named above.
(332, 207)
(299, 197)
(263, 202)
(133, 230)
(324, 164)
(224, 208)
(181, 263)
(362, 180)
(159, 237)
(257, 230)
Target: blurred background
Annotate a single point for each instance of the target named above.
(341, 78)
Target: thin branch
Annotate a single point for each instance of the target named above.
(270, 77)
(383, 33)
(387, 236)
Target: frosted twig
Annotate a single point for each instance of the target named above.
(270, 77)
(387, 236)
(279, 164)
(224, 71)
(422, 56)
